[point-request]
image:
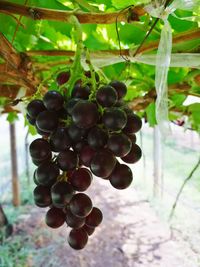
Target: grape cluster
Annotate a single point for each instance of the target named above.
(84, 135)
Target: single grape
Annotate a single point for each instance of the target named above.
(47, 121)
(120, 88)
(74, 221)
(89, 230)
(67, 160)
(106, 96)
(103, 163)
(86, 154)
(53, 100)
(94, 218)
(75, 133)
(121, 177)
(133, 125)
(42, 196)
(63, 77)
(70, 104)
(134, 155)
(61, 193)
(85, 114)
(97, 138)
(80, 205)
(47, 173)
(39, 149)
(60, 140)
(132, 138)
(38, 162)
(43, 133)
(119, 144)
(81, 179)
(80, 91)
(77, 239)
(35, 107)
(114, 119)
(55, 217)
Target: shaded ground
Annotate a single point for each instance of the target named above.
(130, 236)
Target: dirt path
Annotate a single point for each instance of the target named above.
(130, 236)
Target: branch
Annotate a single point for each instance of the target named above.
(58, 15)
(182, 187)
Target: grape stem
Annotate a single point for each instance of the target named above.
(76, 66)
(92, 71)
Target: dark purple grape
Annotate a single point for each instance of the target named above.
(38, 162)
(35, 107)
(30, 120)
(47, 121)
(94, 218)
(35, 178)
(62, 114)
(61, 193)
(47, 173)
(42, 196)
(132, 138)
(120, 88)
(39, 149)
(63, 77)
(86, 154)
(55, 217)
(78, 146)
(67, 160)
(103, 163)
(77, 239)
(80, 205)
(119, 144)
(81, 179)
(106, 96)
(121, 177)
(89, 230)
(60, 140)
(75, 133)
(133, 125)
(80, 91)
(134, 155)
(85, 114)
(43, 133)
(97, 138)
(114, 119)
(70, 104)
(53, 100)
(74, 221)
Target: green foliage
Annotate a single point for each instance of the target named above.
(151, 114)
(12, 116)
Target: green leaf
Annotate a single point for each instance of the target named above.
(12, 117)
(178, 99)
(151, 114)
(195, 115)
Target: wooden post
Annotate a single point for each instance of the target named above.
(157, 156)
(15, 180)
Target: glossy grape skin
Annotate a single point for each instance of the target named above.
(121, 177)
(47, 173)
(35, 107)
(60, 140)
(53, 100)
(30, 120)
(70, 104)
(86, 154)
(89, 230)
(38, 162)
(132, 138)
(85, 114)
(40, 132)
(77, 239)
(61, 193)
(39, 149)
(42, 196)
(114, 119)
(79, 145)
(120, 88)
(55, 217)
(35, 178)
(133, 125)
(80, 205)
(75, 133)
(103, 163)
(67, 160)
(106, 96)
(80, 91)
(94, 218)
(47, 121)
(81, 179)
(74, 221)
(63, 77)
(119, 144)
(134, 155)
(97, 138)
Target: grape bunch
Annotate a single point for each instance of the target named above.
(91, 132)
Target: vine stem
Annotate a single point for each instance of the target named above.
(92, 71)
(76, 66)
(182, 187)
